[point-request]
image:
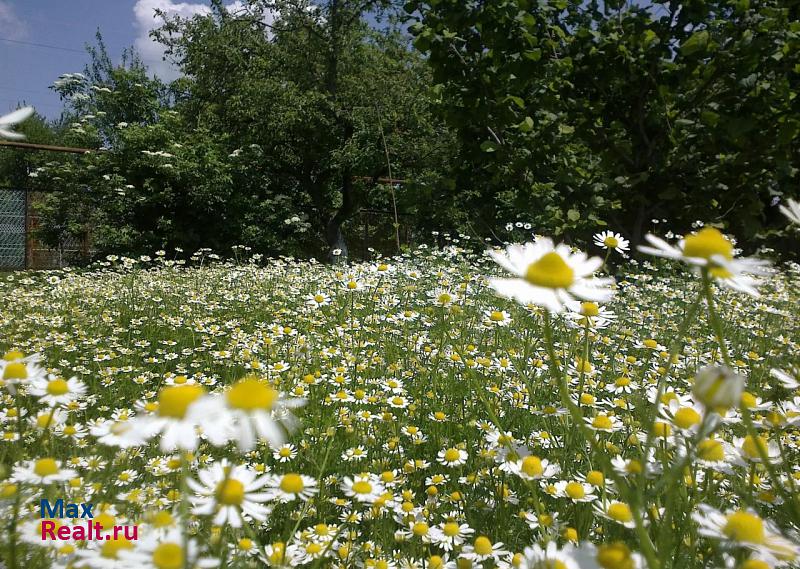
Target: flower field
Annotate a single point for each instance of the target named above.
(439, 409)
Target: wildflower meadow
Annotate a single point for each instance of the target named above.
(529, 406)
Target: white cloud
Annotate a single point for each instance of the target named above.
(152, 52)
(11, 27)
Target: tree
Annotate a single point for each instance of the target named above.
(615, 112)
(318, 95)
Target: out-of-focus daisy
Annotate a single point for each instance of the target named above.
(537, 557)
(611, 240)
(616, 554)
(249, 411)
(172, 418)
(746, 529)
(710, 249)
(7, 123)
(788, 381)
(548, 275)
(42, 471)
(618, 512)
(156, 550)
(718, 387)
(230, 492)
(791, 210)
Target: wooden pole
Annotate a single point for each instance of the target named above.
(46, 147)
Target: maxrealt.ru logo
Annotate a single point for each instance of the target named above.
(88, 531)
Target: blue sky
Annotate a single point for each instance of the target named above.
(26, 71)
(62, 28)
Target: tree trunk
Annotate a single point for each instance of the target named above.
(333, 231)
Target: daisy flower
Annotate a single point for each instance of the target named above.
(229, 493)
(791, 210)
(611, 240)
(285, 453)
(121, 434)
(548, 275)
(450, 534)
(291, 486)
(744, 528)
(709, 249)
(53, 391)
(533, 468)
(482, 549)
(42, 471)
(452, 457)
(366, 488)
(575, 491)
(618, 512)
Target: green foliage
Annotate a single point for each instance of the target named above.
(581, 114)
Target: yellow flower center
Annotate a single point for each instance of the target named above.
(230, 492)
(575, 490)
(452, 455)
(168, 556)
(444, 298)
(362, 487)
(483, 546)
(706, 243)
(313, 548)
(615, 556)
(45, 467)
(105, 520)
(15, 370)
(611, 242)
(435, 562)
(111, 548)
(292, 484)
(551, 271)
(590, 309)
(601, 422)
(686, 417)
(251, 394)
(532, 466)
(595, 478)
(754, 447)
(650, 343)
(420, 529)
(451, 529)
(622, 381)
(620, 512)
(496, 316)
(174, 401)
(57, 387)
(661, 429)
(13, 355)
(754, 564)
(743, 526)
(285, 452)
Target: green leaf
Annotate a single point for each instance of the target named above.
(696, 43)
(489, 146)
(573, 215)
